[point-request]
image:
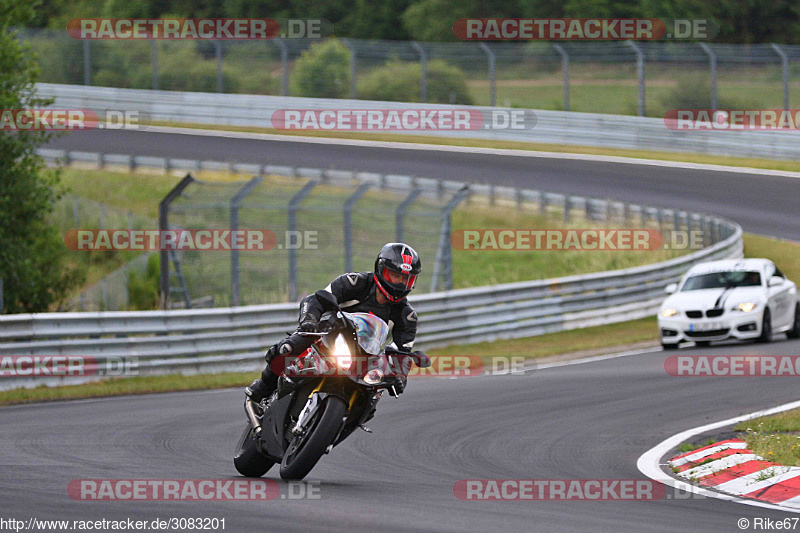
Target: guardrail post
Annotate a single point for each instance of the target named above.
(400, 213)
(444, 257)
(348, 225)
(284, 67)
(163, 225)
(542, 204)
(353, 65)
(292, 212)
(76, 211)
(565, 69)
(423, 61)
(87, 63)
(639, 74)
(154, 63)
(567, 207)
(712, 58)
(785, 65)
(236, 202)
(218, 53)
(492, 80)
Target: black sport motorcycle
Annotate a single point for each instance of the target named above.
(323, 395)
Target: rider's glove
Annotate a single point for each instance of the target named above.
(400, 385)
(308, 324)
(421, 359)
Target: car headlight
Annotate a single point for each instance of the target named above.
(341, 351)
(745, 307)
(668, 312)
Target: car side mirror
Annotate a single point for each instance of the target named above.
(327, 300)
(774, 281)
(671, 288)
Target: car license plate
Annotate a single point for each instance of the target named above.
(705, 326)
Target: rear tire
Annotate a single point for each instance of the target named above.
(298, 463)
(766, 328)
(794, 333)
(248, 460)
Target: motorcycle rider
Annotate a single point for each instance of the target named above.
(381, 292)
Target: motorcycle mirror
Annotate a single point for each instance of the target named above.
(327, 300)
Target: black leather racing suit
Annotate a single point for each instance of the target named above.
(356, 293)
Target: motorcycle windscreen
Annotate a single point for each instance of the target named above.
(372, 332)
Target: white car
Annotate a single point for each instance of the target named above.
(734, 298)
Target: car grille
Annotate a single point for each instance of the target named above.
(711, 313)
(709, 333)
(694, 314)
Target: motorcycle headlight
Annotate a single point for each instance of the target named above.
(668, 312)
(373, 377)
(341, 351)
(745, 307)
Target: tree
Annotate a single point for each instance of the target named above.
(323, 71)
(32, 254)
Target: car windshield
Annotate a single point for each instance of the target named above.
(724, 279)
(373, 333)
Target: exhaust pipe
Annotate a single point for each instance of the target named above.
(251, 416)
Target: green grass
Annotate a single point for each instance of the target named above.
(776, 438)
(785, 254)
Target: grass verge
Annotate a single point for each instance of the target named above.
(776, 438)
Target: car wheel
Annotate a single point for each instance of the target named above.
(671, 346)
(766, 328)
(795, 331)
(702, 344)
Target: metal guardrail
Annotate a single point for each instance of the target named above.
(552, 127)
(208, 340)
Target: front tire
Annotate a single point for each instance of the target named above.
(669, 346)
(302, 456)
(794, 333)
(248, 461)
(702, 344)
(766, 328)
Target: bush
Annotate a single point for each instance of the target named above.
(399, 81)
(323, 71)
(691, 93)
(143, 291)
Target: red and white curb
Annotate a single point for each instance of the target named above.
(730, 467)
(730, 457)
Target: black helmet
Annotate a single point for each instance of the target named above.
(401, 259)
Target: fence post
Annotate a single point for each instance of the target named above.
(284, 67)
(353, 64)
(218, 52)
(2, 302)
(163, 225)
(712, 58)
(76, 211)
(444, 258)
(236, 202)
(400, 213)
(785, 64)
(492, 80)
(639, 74)
(348, 225)
(565, 69)
(423, 60)
(154, 63)
(292, 211)
(87, 63)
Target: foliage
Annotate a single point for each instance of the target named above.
(399, 81)
(323, 71)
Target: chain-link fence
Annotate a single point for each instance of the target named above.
(645, 78)
(318, 231)
(109, 284)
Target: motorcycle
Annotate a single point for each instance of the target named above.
(323, 395)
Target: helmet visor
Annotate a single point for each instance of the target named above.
(399, 278)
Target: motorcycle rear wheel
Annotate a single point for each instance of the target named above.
(248, 460)
(302, 456)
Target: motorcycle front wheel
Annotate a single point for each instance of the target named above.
(307, 448)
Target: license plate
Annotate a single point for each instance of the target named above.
(705, 326)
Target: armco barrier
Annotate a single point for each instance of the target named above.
(552, 127)
(209, 340)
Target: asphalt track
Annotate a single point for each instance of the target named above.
(585, 421)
